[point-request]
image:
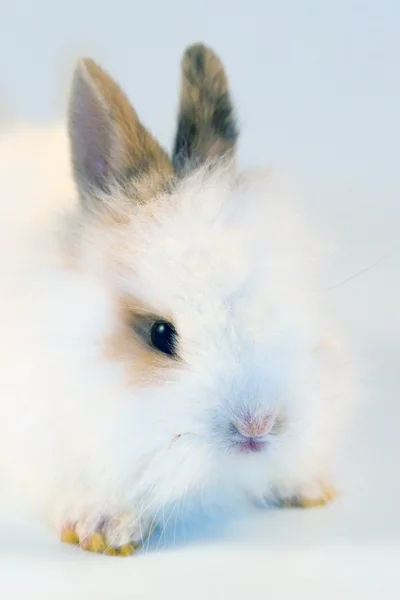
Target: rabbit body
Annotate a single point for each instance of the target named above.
(163, 327)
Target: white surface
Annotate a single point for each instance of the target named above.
(318, 90)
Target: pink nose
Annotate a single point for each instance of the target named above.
(254, 427)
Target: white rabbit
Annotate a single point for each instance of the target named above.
(162, 327)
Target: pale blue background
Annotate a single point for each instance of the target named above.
(317, 82)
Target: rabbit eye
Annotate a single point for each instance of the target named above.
(163, 337)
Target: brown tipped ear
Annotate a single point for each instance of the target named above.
(207, 127)
(108, 142)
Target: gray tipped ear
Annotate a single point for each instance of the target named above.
(108, 142)
(207, 128)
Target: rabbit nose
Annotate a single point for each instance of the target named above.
(252, 427)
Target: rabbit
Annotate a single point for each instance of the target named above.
(164, 333)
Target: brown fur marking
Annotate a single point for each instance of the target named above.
(145, 366)
(206, 123)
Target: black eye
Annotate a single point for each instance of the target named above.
(163, 337)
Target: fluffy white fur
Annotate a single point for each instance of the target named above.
(233, 263)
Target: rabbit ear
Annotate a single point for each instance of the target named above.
(108, 142)
(207, 127)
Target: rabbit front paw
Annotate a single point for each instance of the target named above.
(118, 535)
(325, 496)
(314, 495)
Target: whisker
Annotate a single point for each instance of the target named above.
(362, 271)
(153, 525)
(165, 526)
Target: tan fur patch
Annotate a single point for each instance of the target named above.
(143, 191)
(323, 345)
(145, 365)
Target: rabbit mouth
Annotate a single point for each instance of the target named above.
(250, 445)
